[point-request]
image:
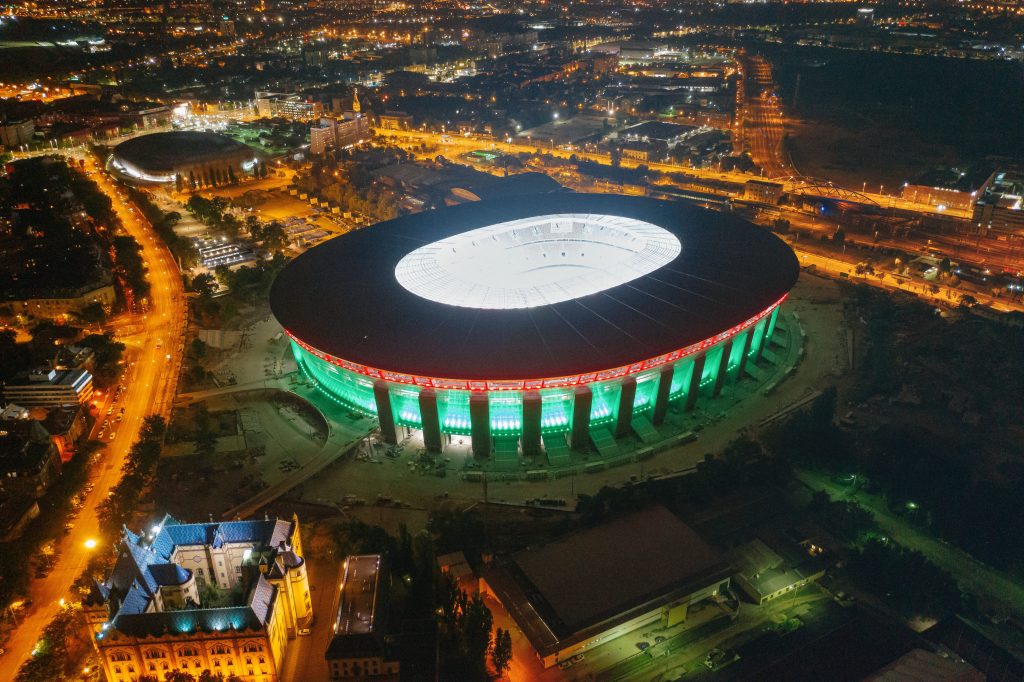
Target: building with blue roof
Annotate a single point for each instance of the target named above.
(220, 596)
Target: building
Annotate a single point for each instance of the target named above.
(67, 303)
(764, 575)
(763, 191)
(360, 648)
(194, 157)
(525, 321)
(921, 664)
(999, 208)
(50, 388)
(16, 133)
(29, 459)
(643, 570)
(16, 512)
(338, 133)
(150, 616)
(664, 134)
(865, 17)
(273, 105)
(394, 120)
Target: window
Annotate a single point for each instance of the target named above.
(199, 571)
(117, 670)
(119, 656)
(219, 650)
(238, 570)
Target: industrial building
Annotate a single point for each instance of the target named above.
(642, 570)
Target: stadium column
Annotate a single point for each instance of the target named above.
(664, 388)
(746, 351)
(723, 367)
(480, 424)
(772, 321)
(430, 419)
(698, 371)
(531, 423)
(582, 402)
(764, 339)
(627, 395)
(384, 415)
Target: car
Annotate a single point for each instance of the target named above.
(100, 434)
(643, 646)
(68, 526)
(112, 434)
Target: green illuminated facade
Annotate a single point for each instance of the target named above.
(525, 411)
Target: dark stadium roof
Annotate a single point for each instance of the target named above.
(167, 151)
(342, 297)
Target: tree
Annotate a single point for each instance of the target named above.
(153, 428)
(206, 441)
(252, 224)
(501, 652)
(178, 676)
(205, 285)
(14, 357)
(274, 236)
(93, 313)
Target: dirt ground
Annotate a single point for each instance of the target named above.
(875, 154)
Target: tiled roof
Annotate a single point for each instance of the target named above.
(253, 616)
(170, 574)
(136, 601)
(268, 533)
(262, 598)
(192, 620)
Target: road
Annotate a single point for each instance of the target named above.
(972, 575)
(154, 355)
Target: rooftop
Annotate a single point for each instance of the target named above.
(358, 626)
(343, 298)
(593, 579)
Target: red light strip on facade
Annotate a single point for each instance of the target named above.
(532, 384)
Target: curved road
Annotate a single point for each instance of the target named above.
(154, 351)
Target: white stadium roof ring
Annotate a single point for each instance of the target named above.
(536, 261)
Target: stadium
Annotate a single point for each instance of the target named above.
(195, 156)
(536, 321)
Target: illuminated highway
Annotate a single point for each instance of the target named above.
(154, 354)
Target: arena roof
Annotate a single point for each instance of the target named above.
(168, 151)
(343, 297)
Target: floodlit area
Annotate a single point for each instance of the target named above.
(536, 261)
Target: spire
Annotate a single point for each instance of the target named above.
(356, 107)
